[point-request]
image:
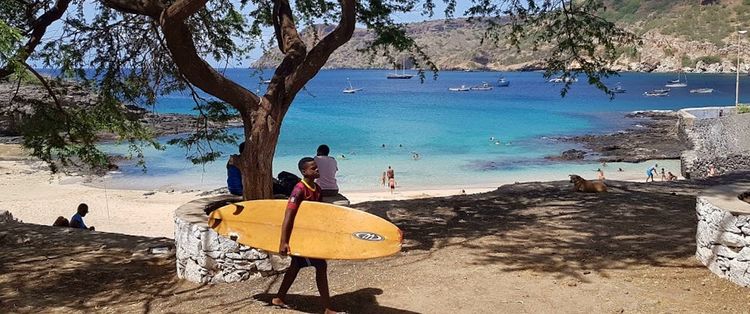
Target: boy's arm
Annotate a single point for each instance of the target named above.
(286, 230)
(295, 199)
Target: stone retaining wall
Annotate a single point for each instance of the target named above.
(723, 236)
(205, 257)
(720, 141)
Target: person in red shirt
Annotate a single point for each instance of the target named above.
(305, 190)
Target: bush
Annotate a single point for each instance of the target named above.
(743, 109)
(709, 59)
(686, 61)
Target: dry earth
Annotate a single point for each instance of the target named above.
(524, 248)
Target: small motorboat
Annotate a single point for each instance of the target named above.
(563, 80)
(657, 93)
(482, 88)
(463, 88)
(618, 89)
(702, 91)
(502, 82)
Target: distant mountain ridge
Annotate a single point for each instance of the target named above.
(691, 36)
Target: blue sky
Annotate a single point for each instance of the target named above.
(55, 29)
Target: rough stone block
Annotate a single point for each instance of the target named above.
(707, 236)
(194, 272)
(264, 265)
(743, 255)
(228, 246)
(704, 255)
(280, 263)
(217, 279)
(236, 276)
(245, 265)
(714, 268)
(733, 240)
(206, 262)
(742, 220)
(728, 224)
(210, 240)
(739, 273)
(214, 254)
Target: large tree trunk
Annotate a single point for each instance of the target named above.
(261, 137)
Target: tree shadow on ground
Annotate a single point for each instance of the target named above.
(363, 300)
(548, 228)
(46, 267)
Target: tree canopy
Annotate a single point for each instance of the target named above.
(134, 51)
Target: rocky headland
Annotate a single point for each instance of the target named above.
(21, 99)
(654, 135)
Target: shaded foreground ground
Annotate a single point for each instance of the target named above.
(534, 247)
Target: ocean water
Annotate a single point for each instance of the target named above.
(390, 120)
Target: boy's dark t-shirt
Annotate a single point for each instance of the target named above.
(302, 192)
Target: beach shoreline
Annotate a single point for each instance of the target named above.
(34, 195)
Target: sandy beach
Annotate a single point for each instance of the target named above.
(34, 195)
(521, 248)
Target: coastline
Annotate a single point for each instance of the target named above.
(34, 195)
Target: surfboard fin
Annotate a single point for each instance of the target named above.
(238, 210)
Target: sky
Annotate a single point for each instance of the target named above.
(55, 29)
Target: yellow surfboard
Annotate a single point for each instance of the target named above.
(321, 230)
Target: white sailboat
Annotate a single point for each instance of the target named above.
(403, 76)
(677, 83)
(351, 89)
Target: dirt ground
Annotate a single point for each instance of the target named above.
(524, 248)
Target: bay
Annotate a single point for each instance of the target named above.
(464, 139)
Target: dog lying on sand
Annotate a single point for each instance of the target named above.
(583, 185)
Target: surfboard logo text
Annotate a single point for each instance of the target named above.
(368, 236)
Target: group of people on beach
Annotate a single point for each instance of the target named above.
(327, 166)
(651, 173)
(76, 221)
(665, 176)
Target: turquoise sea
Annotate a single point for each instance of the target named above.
(389, 120)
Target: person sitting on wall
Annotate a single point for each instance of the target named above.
(234, 175)
(327, 167)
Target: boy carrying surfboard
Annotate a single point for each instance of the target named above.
(305, 190)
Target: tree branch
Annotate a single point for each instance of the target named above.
(294, 49)
(182, 9)
(180, 43)
(152, 8)
(46, 86)
(319, 54)
(39, 27)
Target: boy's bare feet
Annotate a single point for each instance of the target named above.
(280, 303)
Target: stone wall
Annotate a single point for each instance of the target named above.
(204, 256)
(723, 240)
(720, 141)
